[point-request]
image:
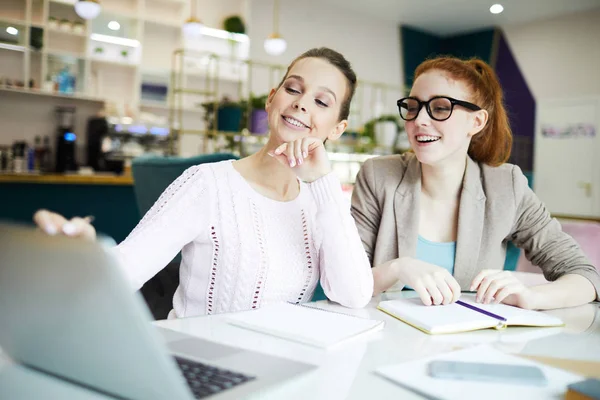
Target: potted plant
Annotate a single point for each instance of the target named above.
(52, 23)
(383, 130)
(234, 24)
(65, 25)
(259, 124)
(228, 115)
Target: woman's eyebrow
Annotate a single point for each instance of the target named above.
(323, 88)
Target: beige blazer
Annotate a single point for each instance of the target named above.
(496, 205)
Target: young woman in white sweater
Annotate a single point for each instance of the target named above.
(265, 228)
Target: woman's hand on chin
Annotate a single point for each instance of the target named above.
(307, 157)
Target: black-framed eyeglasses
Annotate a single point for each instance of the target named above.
(439, 108)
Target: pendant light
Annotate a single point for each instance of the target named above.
(88, 9)
(192, 26)
(275, 44)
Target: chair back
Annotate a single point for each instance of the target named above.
(152, 174)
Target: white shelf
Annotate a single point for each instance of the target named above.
(163, 23)
(67, 2)
(60, 53)
(121, 13)
(36, 92)
(13, 21)
(13, 47)
(59, 31)
(112, 62)
(166, 107)
(173, 2)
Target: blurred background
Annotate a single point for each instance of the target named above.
(89, 87)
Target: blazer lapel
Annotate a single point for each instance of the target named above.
(471, 214)
(406, 209)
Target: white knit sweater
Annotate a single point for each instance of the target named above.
(242, 250)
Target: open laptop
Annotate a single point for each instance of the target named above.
(66, 311)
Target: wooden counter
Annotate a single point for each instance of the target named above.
(69, 179)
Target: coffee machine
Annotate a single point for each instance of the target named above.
(66, 139)
(97, 131)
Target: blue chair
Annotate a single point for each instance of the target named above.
(151, 176)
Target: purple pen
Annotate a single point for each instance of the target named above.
(472, 307)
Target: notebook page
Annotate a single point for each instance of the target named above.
(516, 315)
(413, 375)
(437, 319)
(304, 324)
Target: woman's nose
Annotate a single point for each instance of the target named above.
(299, 106)
(423, 117)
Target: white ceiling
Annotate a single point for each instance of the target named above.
(447, 17)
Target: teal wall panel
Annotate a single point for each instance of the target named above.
(417, 46)
(113, 206)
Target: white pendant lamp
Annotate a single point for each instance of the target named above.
(192, 26)
(88, 9)
(275, 44)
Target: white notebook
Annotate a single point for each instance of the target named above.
(414, 376)
(455, 318)
(305, 324)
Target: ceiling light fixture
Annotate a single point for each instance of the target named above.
(11, 30)
(88, 9)
(114, 26)
(496, 9)
(192, 26)
(275, 44)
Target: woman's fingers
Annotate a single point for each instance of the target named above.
(506, 291)
(291, 154)
(298, 152)
(423, 293)
(279, 154)
(53, 223)
(443, 288)
(79, 227)
(454, 286)
(305, 147)
(50, 222)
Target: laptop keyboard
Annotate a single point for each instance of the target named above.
(205, 380)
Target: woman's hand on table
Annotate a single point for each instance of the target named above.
(54, 224)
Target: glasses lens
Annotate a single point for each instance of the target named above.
(409, 108)
(440, 108)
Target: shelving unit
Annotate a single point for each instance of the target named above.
(149, 70)
(202, 77)
(111, 65)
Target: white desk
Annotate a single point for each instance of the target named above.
(347, 372)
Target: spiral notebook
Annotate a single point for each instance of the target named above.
(305, 324)
(464, 315)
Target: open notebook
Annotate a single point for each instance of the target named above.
(464, 316)
(305, 324)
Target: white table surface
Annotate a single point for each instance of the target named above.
(348, 371)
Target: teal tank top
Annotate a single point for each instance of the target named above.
(440, 254)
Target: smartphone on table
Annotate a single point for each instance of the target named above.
(487, 372)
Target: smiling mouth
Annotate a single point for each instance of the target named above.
(295, 122)
(427, 139)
